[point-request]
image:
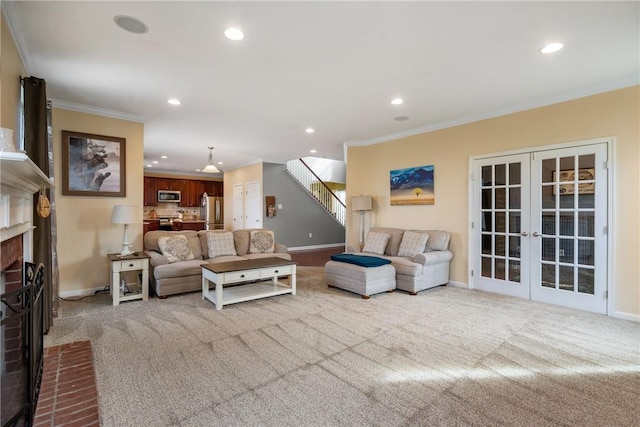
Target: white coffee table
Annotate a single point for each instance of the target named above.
(254, 278)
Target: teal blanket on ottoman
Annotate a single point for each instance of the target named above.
(361, 260)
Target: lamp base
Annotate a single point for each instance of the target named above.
(126, 250)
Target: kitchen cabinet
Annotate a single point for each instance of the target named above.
(191, 190)
(188, 225)
(150, 191)
(190, 193)
(168, 184)
(212, 188)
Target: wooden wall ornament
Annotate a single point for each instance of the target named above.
(270, 202)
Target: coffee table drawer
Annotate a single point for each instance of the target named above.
(276, 271)
(241, 275)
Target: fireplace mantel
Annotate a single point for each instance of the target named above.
(19, 179)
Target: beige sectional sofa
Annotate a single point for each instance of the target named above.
(427, 269)
(185, 275)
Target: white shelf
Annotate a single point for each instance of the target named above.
(18, 170)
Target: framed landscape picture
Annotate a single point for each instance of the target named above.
(412, 186)
(93, 165)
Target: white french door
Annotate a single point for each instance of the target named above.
(502, 217)
(539, 226)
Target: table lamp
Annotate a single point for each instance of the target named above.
(125, 215)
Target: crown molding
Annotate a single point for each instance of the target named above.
(567, 96)
(82, 108)
(14, 21)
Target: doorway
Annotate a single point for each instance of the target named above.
(539, 225)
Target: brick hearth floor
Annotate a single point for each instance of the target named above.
(68, 394)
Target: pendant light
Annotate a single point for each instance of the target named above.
(210, 167)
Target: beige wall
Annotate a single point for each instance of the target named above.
(11, 69)
(238, 176)
(85, 232)
(614, 114)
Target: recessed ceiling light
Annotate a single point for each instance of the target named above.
(130, 24)
(551, 48)
(401, 118)
(149, 166)
(309, 130)
(234, 33)
(155, 162)
(198, 170)
(174, 101)
(313, 151)
(397, 101)
(221, 163)
(163, 157)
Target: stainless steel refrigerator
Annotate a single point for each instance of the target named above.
(212, 212)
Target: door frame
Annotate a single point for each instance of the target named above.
(611, 197)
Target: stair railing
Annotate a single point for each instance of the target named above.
(318, 189)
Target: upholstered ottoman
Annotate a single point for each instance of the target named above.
(360, 279)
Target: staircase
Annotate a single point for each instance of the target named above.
(318, 189)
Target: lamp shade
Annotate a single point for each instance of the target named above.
(361, 203)
(123, 214)
(210, 167)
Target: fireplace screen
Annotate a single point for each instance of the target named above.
(21, 345)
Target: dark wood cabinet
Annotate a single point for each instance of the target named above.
(191, 190)
(150, 191)
(188, 225)
(169, 183)
(212, 188)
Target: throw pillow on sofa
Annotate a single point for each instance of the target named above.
(175, 248)
(262, 241)
(220, 244)
(412, 243)
(376, 243)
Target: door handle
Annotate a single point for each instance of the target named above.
(535, 234)
(524, 233)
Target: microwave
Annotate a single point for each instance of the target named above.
(168, 196)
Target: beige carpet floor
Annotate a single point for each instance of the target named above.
(326, 357)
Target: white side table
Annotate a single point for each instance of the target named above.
(135, 262)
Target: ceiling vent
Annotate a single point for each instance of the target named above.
(130, 24)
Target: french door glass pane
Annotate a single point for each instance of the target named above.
(549, 196)
(548, 170)
(514, 198)
(501, 245)
(486, 244)
(549, 275)
(501, 199)
(514, 246)
(514, 271)
(487, 200)
(549, 248)
(585, 281)
(566, 278)
(514, 173)
(549, 223)
(486, 267)
(566, 250)
(500, 268)
(501, 222)
(487, 221)
(566, 224)
(586, 250)
(514, 222)
(487, 177)
(501, 175)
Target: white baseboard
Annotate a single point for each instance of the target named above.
(458, 284)
(80, 292)
(626, 316)
(306, 248)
